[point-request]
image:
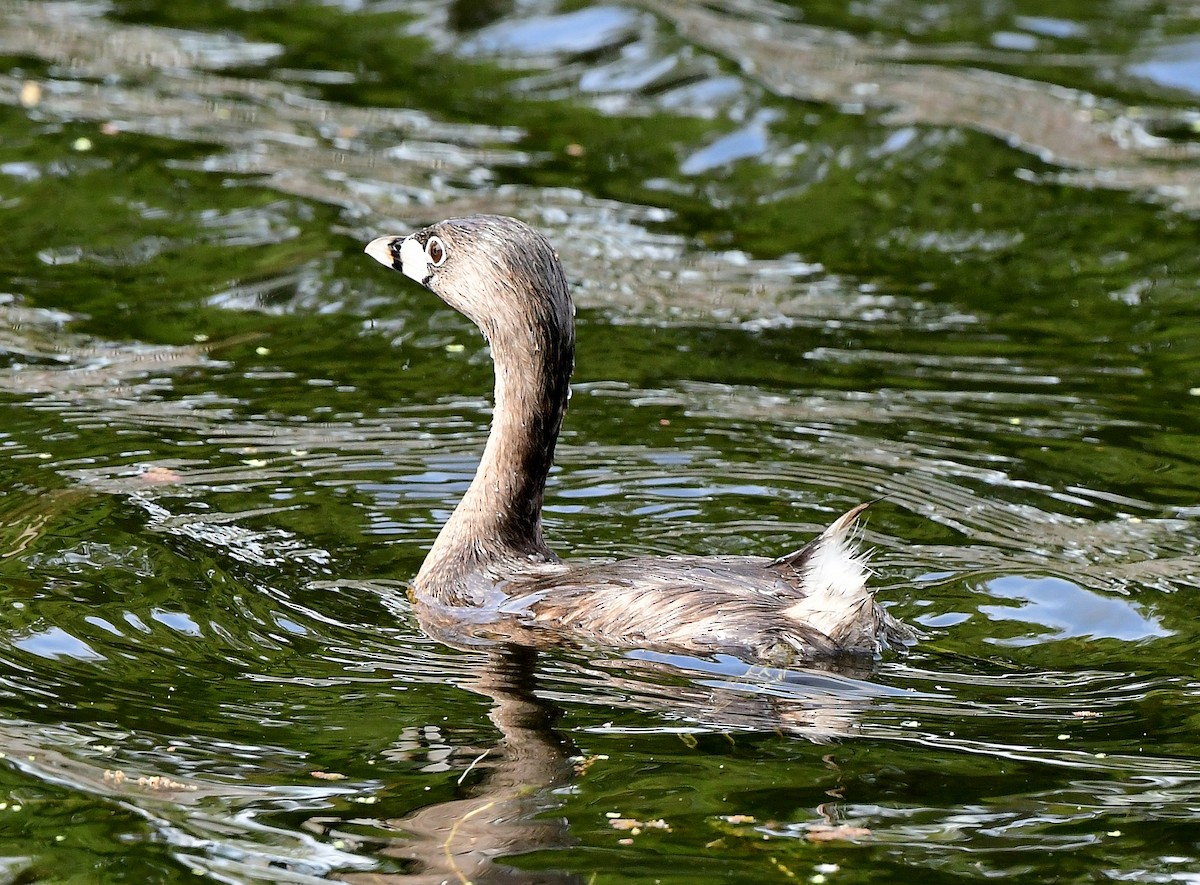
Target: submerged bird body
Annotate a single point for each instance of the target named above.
(490, 571)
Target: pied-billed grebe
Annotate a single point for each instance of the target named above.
(490, 562)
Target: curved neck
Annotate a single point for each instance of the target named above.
(500, 516)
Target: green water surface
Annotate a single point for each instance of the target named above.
(227, 436)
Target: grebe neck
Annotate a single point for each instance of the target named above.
(500, 516)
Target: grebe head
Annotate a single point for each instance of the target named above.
(497, 271)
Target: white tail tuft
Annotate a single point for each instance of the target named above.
(833, 572)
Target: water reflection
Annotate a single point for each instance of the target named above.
(514, 787)
(586, 30)
(509, 806)
(471, 15)
(54, 642)
(1068, 610)
(752, 140)
(1175, 66)
(816, 262)
(818, 64)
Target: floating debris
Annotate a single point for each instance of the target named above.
(159, 475)
(635, 826)
(840, 833)
(583, 763)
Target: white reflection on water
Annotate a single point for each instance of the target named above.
(752, 140)
(1175, 66)
(1069, 610)
(54, 642)
(585, 30)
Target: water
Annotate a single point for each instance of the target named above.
(941, 254)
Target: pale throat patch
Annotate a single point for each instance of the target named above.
(413, 261)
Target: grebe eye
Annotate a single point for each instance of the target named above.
(436, 250)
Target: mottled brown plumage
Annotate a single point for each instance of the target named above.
(490, 574)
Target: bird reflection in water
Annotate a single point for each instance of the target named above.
(509, 809)
(512, 790)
